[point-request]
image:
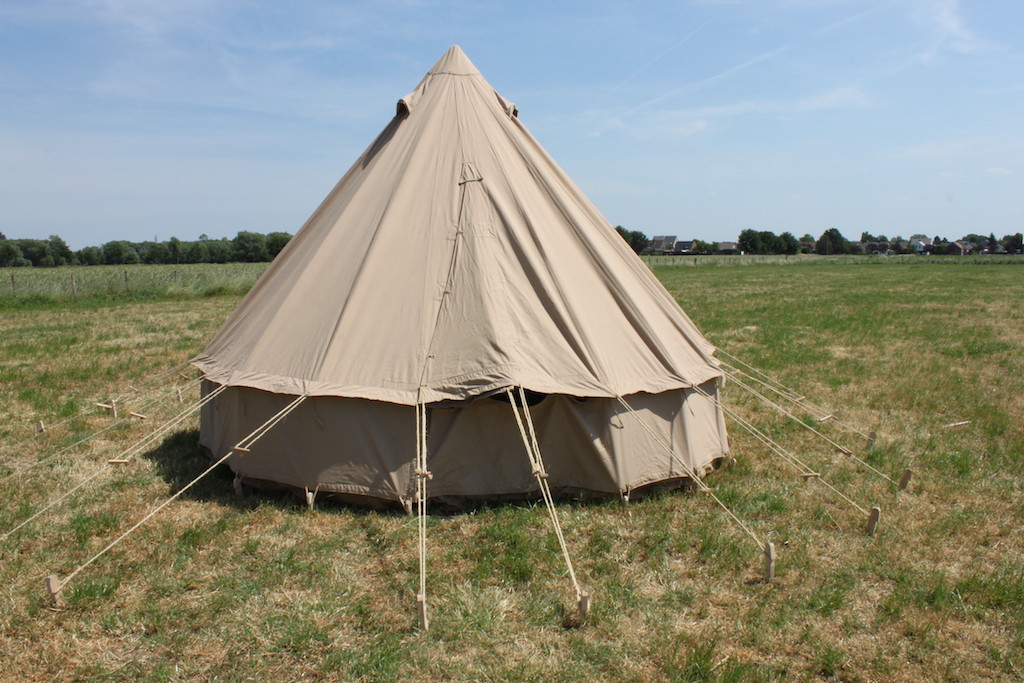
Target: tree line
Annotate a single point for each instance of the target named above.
(246, 246)
(832, 241)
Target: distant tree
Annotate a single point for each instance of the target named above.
(276, 242)
(752, 242)
(831, 242)
(154, 252)
(195, 252)
(808, 238)
(219, 250)
(1013, 243)
(60, 251)
(882, 238)
(36, 252)
(789, 244)
(868, 237)
(636, 240)
(90, 256)
(120, 252)
(249, 247)
(2, 236)
(10, 254)
(174, 250)
(702, 247)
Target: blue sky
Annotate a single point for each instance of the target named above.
(135, 119)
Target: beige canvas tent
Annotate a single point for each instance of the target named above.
(455, 260)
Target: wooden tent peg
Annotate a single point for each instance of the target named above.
(769, 562)
(180, 399)
(583, 606)
(237, 485)
(40, 427)
(873, 517)
(421, 612)
(54, 586)
(871, 439)
(905, 479)
(807, 476)
(138, 415)
(310, 499)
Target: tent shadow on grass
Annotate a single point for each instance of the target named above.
(179, 459)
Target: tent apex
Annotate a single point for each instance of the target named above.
(455, 61)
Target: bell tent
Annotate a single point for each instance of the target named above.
(453, 271)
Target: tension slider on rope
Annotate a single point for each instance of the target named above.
(424, 474)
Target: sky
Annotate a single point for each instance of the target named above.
(147, 119)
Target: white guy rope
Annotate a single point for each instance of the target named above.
(15, 446)
(64, 496)
(704, 488)
(245, 443)
(779, 450)
(782, 409)
(537, 464)
(422, 475)
(112, 425)
(788, 394)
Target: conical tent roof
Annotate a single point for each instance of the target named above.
(454, 258)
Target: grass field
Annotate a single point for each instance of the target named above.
(259, 588)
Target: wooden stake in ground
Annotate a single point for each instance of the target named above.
(54, 585)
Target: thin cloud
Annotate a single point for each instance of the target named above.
(763, 57)
(947, 31)
(836, 98)
(656, 59)
(998, 171)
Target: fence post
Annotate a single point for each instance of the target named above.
(14, 285)
(74, 287)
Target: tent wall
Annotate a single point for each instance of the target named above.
(362, 447)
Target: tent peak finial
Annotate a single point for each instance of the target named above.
(455, 61)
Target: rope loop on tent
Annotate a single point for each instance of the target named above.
(521, 410)
(131, 452)
(56, 584)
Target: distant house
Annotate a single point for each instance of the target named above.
(876, 248)
(920, 244)
(662, 244)
(728, 248)
(959, 248)
(685, 246)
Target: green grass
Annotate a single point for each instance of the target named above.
(42, 287)
(224, 588)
